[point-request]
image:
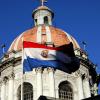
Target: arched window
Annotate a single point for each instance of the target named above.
(45, 20)
(65, 91)
(27, 92)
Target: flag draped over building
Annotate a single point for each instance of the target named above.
(39, 55)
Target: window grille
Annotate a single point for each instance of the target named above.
(27, 92)
(28, 96)
(65, 91)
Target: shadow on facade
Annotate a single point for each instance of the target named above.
(92, 98)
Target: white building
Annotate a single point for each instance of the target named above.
(48, 82)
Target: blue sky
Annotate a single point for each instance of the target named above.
(80, 18)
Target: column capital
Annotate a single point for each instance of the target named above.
(11, 76)
(49, 69)
(78, 73)
(39, 70)
(85, 77)
(4, 80)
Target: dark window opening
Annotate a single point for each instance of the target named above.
(27, 92)
(65, 91)
(46, 20)
(36, 21)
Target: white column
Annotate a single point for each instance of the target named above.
(39, 82)
(80, 87)
(3, 90)
(57, 93)
(11, 87)
(48, 34)
(86, 88)
(39, 31)
(51, 82)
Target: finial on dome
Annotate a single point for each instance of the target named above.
(42, 2)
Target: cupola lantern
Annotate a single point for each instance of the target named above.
(42, 15)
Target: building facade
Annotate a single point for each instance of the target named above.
(78, 85)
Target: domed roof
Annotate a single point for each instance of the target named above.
(43, 34)
(42, 8)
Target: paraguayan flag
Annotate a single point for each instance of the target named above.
(39, 55)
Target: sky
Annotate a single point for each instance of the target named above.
(80, 18)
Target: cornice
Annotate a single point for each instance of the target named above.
(9, 62)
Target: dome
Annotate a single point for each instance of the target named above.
(44, 34)
(42, 8)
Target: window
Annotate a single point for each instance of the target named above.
(65, 91)
(46, 20)
(36, 21)
(27, 92)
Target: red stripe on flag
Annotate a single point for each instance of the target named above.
(27, 44)
(66, 49)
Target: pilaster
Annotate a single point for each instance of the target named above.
(39, 82)
(11, 87)
(86, 87)
(51, 82)
(79, 85)
(3, 88)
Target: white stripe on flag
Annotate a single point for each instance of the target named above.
(36, 53)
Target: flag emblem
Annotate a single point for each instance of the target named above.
(44, 53)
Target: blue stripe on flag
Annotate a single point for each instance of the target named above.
(31, 63)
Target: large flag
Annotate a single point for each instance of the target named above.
(38, 55)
